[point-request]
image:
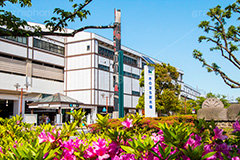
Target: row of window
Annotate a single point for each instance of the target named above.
(16, 39)
(103, 67)
(130, 61)
(48, 46)
(38, 43)
(106, 68)
(105, 52)
(110, 54)
(135, 93)
(131, 75)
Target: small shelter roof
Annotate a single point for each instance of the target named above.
(57, 101)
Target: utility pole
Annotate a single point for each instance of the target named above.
(21, 98)
(118, 66)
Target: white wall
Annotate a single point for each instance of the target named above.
(78, 48)
(135, 71)
(127, 85)
(127, 101)
(104, 61)
(127, 68)
(135, 85)
(48, 58)
(79, 36)
(7, 82)
(79, 79)
(79, 62)
(13, 49)
(46, 86)
(82, 96)
(103, 80)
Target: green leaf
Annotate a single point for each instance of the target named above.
(128, 149)
(208, 155)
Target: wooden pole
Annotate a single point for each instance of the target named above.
(106, 104)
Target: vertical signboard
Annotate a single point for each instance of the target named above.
(149, 94)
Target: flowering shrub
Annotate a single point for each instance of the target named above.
(128, 141)
(147, 123)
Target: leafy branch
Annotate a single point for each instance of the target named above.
(226, 40)
(15, 26)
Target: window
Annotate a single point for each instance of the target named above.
(135, 76)
(103, 67)
(131, 75)
(16, 39)
(135, 93)
(129, 61)
(48, 46)
(105, 52)
(88, 47)
(127, 74)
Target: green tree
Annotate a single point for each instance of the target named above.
(225, 38)
(238, 99)
(186, 107)
(197, 104)
(166, 88)
(16, 26)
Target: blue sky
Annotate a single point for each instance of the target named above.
(163, 29)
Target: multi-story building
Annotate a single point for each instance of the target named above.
(29, 62)
(189, 92)
(79, 67)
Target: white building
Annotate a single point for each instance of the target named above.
(79, 67)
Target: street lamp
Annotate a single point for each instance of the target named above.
(17, 85)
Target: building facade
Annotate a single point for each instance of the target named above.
(79, 66)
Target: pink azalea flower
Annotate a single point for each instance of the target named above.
(207, 149)
(98, 150)
(218, 134)
(51, 138)
(235, 158)
(193, 143)
(127, 157)
(68, 156)
(113, 149)
(68, 147)
(89, 153)
(54, 131)
(236, 127)
(223, 148)
(78, 142)
(1, 150)
(160, 132)
(127, 123)
(116, 158)
(44, 138)
(157, 138)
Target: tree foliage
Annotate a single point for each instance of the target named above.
(166, 88)
(16, 26)
(238, 99)
(197, 104)
(224, 37)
